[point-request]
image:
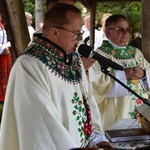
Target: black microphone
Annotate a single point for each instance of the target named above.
(86, 51)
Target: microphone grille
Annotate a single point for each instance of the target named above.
(84, 50)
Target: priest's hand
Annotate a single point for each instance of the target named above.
(87, 62)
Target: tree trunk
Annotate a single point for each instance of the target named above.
(38, 13)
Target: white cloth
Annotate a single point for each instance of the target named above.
(117, 90)
(42, 110)
(31, 31)
(3, 40)
(98, 40)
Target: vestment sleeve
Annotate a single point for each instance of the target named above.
(117, 90)
(100, 83)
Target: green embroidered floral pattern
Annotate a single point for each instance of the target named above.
(118, 53)
(121, 55)
(83, 117)
(53, 58)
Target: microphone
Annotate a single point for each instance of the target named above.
(86, 51)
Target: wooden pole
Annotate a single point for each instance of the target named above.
(146, 29)
(92, 22)
(16, 27)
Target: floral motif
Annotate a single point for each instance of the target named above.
(83, 116)
(139, 101)
(118, 53)
(54, 58)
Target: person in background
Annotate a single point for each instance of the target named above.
(5, 63)
(4, 44)
(54, 108)
(102, 30)
(114, 101)
(29, 24)
(86, 35)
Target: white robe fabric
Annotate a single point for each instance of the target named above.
(3, 40)
(41, 110)
(31, 31)
(98, 39)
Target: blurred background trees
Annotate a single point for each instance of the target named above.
(14, 18)
(131, 10)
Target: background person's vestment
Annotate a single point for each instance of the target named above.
(115, 101)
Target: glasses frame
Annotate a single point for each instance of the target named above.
(121, 29)
(78, 34)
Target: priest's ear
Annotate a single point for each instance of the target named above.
(54, 32)
(108, 32)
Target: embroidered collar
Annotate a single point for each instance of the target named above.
(126, 52)
(116, 46)
(56, 59)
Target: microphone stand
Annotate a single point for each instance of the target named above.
(104, 68)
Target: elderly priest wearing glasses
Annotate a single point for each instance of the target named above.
(114, 100)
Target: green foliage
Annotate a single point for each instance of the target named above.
(80, 6)
(29, 6)
(131, 10)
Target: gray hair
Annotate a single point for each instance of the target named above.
(28, 15)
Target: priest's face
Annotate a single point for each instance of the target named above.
(119, 33)
(70, 34)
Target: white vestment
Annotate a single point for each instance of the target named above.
(48, 103)
(86, 36)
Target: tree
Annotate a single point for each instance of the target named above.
(37, 8)
(17, 28)
(15, 23)
(38, 13)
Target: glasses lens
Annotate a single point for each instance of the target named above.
(128, 29)
(80, 34)
(124, 29)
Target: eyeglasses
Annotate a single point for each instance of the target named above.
(121, 29)
(78, 34)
